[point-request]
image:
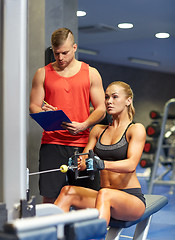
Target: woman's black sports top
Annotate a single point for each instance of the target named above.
(114, 152)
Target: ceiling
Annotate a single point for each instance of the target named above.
(98, 31)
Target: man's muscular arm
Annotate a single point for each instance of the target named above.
(97, 97)
(37, 93)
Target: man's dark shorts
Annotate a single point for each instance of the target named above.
(52, 156)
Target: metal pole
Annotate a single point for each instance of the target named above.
(14, 102)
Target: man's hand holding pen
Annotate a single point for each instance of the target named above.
(47, 107)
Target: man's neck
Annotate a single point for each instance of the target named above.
(70, 70)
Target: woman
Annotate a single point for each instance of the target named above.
(119, 147)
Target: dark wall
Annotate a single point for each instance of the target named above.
(151, 89)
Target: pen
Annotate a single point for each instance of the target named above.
(49, 104)
(45, 102)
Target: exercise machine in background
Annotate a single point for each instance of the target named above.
(159, 150)
(165, 152)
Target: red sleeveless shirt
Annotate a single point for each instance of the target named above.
(70, 94)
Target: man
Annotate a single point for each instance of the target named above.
(69, 85)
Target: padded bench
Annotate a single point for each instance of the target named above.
(153, 204)
(51, 224)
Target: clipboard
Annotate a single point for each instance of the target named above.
(50, 120)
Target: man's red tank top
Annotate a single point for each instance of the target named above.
(70, 94)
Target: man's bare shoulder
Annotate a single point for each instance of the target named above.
(93, 70)
(41, 70)
(39, 76)
(95, 76)
(40, 73)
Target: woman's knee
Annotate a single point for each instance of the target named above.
(67, 189)
(64, 194)
(103, 194)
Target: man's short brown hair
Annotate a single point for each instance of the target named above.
(60, 35)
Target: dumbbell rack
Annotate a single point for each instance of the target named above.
(155, 178)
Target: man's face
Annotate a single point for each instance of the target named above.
(65, 53)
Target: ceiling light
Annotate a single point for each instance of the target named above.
(81, 13)
(87, 51)
(162, 35)
(144, 62)
(125, 25)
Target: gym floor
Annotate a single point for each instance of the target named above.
(163, 222)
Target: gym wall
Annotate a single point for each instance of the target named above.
(151, 89)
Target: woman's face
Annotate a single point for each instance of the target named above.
(115, 99)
